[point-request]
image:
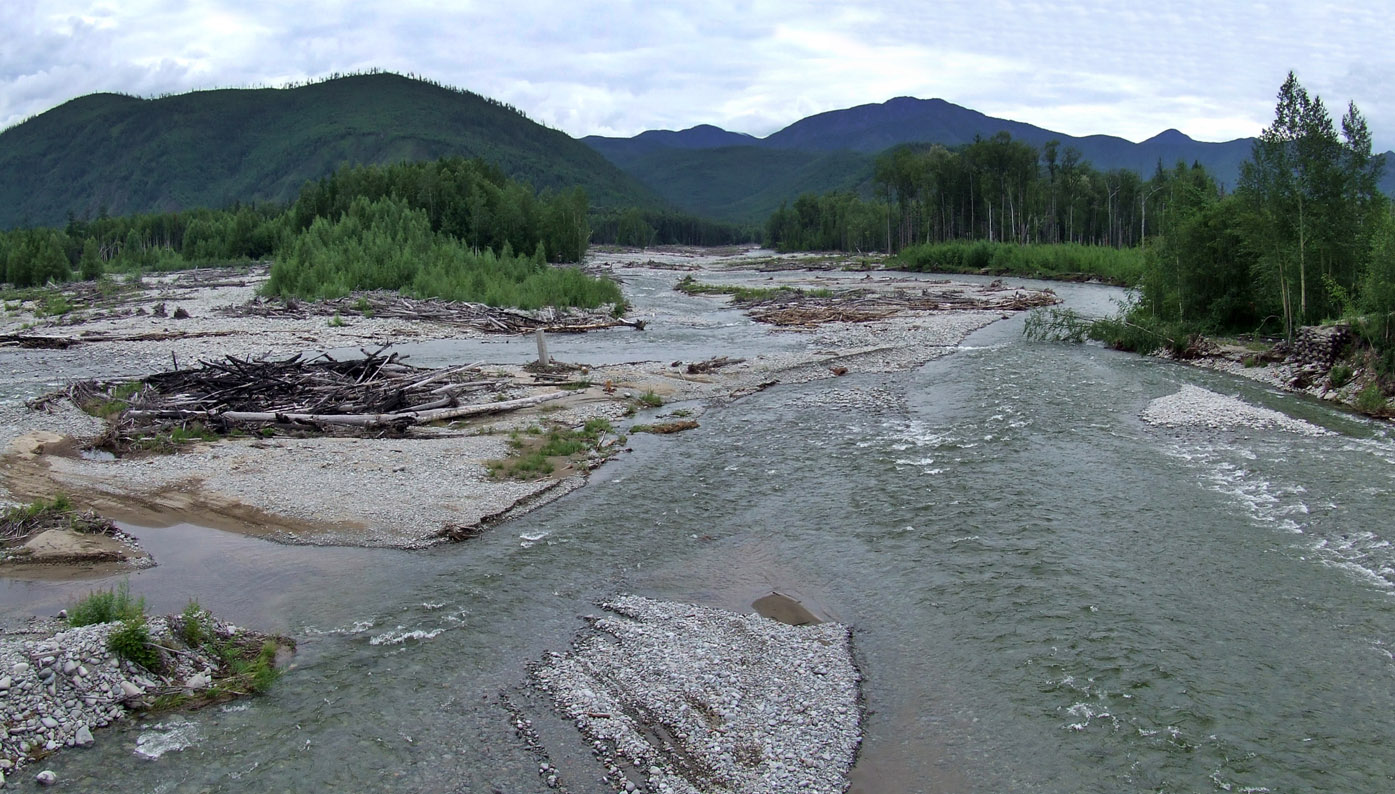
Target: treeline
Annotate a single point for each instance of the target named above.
(453, 228)
(154, 241)
(641, 228)
(1306, 237)
(1060, 261)
(994, 189)
(469, 200)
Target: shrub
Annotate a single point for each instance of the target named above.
(195, 626)
(1371, 400)
(107, 606)
(1340, 375)
(132, 643)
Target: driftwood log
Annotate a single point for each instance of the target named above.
(378, 391)
(367, 421)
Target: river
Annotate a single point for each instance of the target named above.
(1047, 593)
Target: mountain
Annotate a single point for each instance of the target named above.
(703, 136)
(866, 130)
(212, 148)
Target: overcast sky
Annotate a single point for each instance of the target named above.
(1133, 69)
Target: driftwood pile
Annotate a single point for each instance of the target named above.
(377, 392)
(489, 319)
(19, 524)
(863, 306)
(711, 365)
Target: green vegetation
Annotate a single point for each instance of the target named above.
(740, 294)
(1306, 237)
(132, 642)
(649, 400)
(120, 155)
(535, 448)
(21, 522)
(386, 244)
(1121, 266)
(1371, 399)
(107, 606)
(641, 228)
(247, 663)
(994, 189)
(195, 624)
(744, 184)
(447, 228)
(37, 509)
(116, 399)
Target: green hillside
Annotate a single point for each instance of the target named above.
(212, 148)
(745, 184)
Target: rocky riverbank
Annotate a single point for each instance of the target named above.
(59, 683)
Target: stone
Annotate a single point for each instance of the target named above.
(49, 722)
(130, 690)
(6, 682)
(83, 737)
(69, 667)
(197, 681)
(46, 778)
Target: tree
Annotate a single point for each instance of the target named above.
(90, 264)
(1311, 196)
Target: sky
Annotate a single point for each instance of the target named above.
(1131, 69)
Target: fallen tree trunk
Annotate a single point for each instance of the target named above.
(402, 419)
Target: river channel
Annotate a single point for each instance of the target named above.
(1047, 593)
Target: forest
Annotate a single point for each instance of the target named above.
(995, 189)
(1306, 237)
(452, 228)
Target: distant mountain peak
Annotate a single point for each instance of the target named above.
(1171, 137)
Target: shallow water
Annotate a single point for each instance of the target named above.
(1047, 593)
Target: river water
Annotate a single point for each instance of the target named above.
(1047, 594)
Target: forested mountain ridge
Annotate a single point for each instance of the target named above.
(872, 128)
(212, 148)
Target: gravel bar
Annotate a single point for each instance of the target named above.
(690, 699)
(1194, 406)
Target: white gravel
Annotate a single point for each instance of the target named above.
(691, 699)
(1194, 406)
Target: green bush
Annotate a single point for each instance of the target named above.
(1371, 400)
(107, 606)
(1340, 375)
(388, 245)
(132, 643)
(194, 624)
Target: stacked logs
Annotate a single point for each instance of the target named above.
(1320, 345)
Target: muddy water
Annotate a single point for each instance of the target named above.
(1047, 593)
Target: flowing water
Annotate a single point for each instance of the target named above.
(1047, 593)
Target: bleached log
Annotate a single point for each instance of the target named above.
(362, 420)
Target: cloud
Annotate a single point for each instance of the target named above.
(748, 65)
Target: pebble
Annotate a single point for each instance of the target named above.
(46, 778)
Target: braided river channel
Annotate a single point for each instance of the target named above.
(1047, 593)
